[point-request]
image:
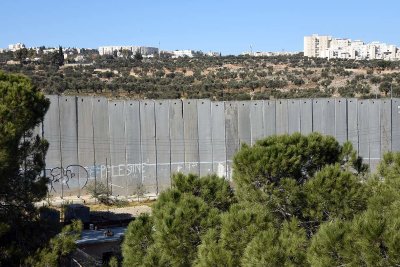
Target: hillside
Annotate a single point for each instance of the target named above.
(217, 78)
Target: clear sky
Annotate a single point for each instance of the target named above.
(227, 26)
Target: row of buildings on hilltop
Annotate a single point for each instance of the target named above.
(151, 51)
(144, 50)
(268, 54)
(115, 50)
(328, 47)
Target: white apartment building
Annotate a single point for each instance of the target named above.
(315, 45)
(15, 47)
(182, 53)
(328, 47)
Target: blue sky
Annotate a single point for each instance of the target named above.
(226, 26)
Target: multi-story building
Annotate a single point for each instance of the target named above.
(15, 47)
(182, 53)
(328, 47)
(315, 45)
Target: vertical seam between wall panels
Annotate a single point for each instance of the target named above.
(170, 144)
(94, 151)
(140, 146)
(212, 137)
(312, 115)
(198, 139)
(226, 149)
(300, 101)
(380, 132)
(77, 144)
(335, 131)
(155, 143)
(347, 120)
(358, 128)
(109, 147)
(60, 143)
(169, 138)
(391, 124)
(184, 137)
(125, 144)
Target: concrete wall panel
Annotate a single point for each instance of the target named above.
(318, 116)
(329, 115)
(51, 129)
(191, 135)
(231, 135)
(386, 125)
(85, 139)
(269, 117)
(352, 122)
(282, 118)
(306, 122)
(341, 120)
(293, 116)
(374, 133)
(148, 144)
(257, 120)
(177, 136)
(69, 145)
(244, 125)
(395, 124)
(363, 128)
(101, 139)
(205, 140)
(163, 147)
(117, 181)
(218, 138)
(133, 148)
(324, 116)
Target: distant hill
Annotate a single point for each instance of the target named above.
(217, 78)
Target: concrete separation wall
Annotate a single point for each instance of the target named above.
(134, 146)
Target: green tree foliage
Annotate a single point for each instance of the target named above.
(298, 201)
(60, 246)
(372, 237)
(284, 162)
(180, 221)
(226, 78)
(22, 107)
(57, 58)
(241, 224)
(180, 217)
(212, 252)
(99, 191)
(138, 56)
(277, 248)
(138, 238)
(334, 194)
(21, 54)
(215, 191)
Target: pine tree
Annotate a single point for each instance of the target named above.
(22, 107)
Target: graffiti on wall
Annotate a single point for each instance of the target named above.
(73, 175)
(76, 177)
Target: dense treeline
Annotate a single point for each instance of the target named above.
(296, 201)
(217, 78)
(26, 237)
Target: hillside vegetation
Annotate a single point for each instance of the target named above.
(216, 78)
